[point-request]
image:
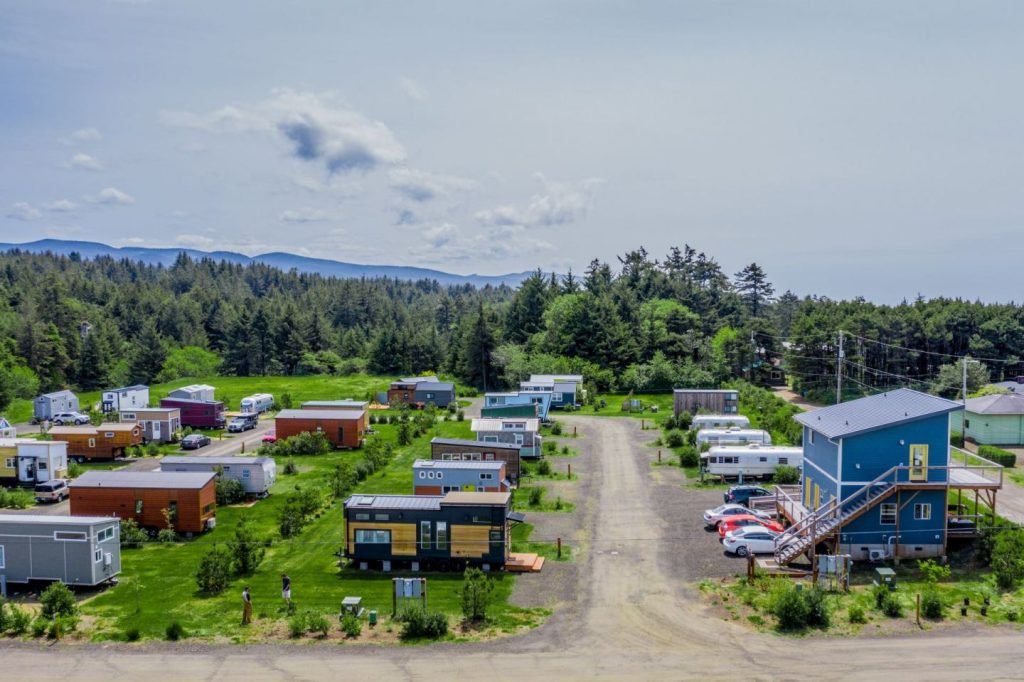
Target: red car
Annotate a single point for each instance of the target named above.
(270, 436)
(747, 520)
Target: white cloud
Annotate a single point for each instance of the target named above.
(61, 206)
(111, 196)
(441, 234)
(317, 129)
(303, 215)
(129, 241)
(194, 241)
(422, 186)
(498, 243)
(557, 204)
(84, 162)
(82, 135)
(412, 89)
(23, 210)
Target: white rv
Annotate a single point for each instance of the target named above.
(720, 421)
(733, 436)
(751, 461)
(258, 403)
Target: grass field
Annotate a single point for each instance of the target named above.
(158, 581)
(614, 402)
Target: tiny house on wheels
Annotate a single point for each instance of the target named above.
(125, 398)
(158, 424)
(344, 404)
(752, 461)
(460, 450)
(26, 461)
(256, 474)
(428, 531)
(258, 403)
(733, 436)
(203, 392)
(190, 496)
(343, 428)
(49, 404)
(74, 550)
(433, 477)
(198, 414)
(694, 400)
(106, 441)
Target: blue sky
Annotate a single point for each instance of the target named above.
(852, 149)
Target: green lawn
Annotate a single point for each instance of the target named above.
(614, 403)
(157, 583)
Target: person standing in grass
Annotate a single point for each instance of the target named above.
(286, 589)
(246, 606)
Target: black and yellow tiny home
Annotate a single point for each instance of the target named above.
(444, 532)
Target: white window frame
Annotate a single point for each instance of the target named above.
(105, 535)
(423, 474)
(441, 531)
(882, 513)
(78, 536)
(426, 537)
(11, 462)
(3, 563)
(97, 555)
(922, 511)
(92, 442)
(108, 434)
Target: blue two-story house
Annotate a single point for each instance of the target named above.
(541, 399)
(566, 389)
(876, 477)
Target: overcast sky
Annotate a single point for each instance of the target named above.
(851, 148)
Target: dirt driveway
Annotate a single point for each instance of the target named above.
(635, 617)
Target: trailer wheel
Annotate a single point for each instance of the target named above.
(80, 459)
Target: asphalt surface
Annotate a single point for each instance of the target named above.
(635, 617)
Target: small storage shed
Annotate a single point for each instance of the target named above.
(125, 398)
(49, 404)
(194, 392)
(438, 477)
(343, 428)
(74, 550)
(26, 461)
(696, 400)
(7, 429)
(256, 474)
(158, 424)
(440, 393)
(461, 450)
(106, 441)
(191, 497)
(996, 419)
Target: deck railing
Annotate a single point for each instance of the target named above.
(963, 460)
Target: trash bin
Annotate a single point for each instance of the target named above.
(373, 616)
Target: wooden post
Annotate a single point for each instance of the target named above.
(919, 609)
(559, 548)
(896, 545)
(570, 469)
(659, 455)
(243, 447)
(574, 432)
(643, 425)
(424, 583)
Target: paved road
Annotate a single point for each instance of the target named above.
(636, 618)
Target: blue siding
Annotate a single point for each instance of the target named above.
(821, 453)
(821, 466)
(869, 530)
(878, 451)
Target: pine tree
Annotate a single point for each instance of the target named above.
(150, 353)
(476, 363)
(289, 342)
(238, 356)
(93, 363)
(754, 288)
(262, 342)
(526, 312)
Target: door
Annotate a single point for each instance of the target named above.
(918, 462)
(156, 430)
(341, 435)
(27, 469)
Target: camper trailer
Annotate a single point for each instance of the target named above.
(720, 421)
(258, 403)
(733, 436)
(256, 474)
(751, 461)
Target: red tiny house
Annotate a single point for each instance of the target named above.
(142, 496)
(198, 414)
(343, 428)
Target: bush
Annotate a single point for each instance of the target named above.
(786, 475)
(58, 600)
(856, 614)
(932, 606)
(166, 535)
(317, 623)
(304, 443)
(40, 626)
(246, 548)
(351, 625)
(74, 469)
(791, 610)
(556, 428)
(477, 588)
(214, 571)
(675, 439)
(460, 416)
(688, 456)
(891, 605)
(1008, 558)
(291, 468)
(297, 625)
(175, 631)
(417, 622)
(16, 499)
(669, 423)
(132, 634)
(229, 491)
(131, 534)
(684, 421)
(818, 615)
(19, 620)
(933, 571)
(956, 439)
(536, 496)
(343, 479)
(544, 468)
(997, 455)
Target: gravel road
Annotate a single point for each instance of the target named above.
(635, 617)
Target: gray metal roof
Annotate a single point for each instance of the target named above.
(999, 403)
(56, 393)
(136, 387)
(348, 402)
(875, 412)
(415, 380)
(354, 413)
(215, 460)
(412, 502)
(705, 390)
(42, 519)
(435, 386)
(142, 479)
(475, 443)
(1011, 386)
(461, 464)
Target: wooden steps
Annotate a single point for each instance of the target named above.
(524, 563)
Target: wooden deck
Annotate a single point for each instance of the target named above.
(524, 563)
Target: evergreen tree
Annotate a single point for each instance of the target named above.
(526, 313)
(754, 288)
(476, 363)
(241, 347)
(317, 336)
(289, 342)
(93, 363)
(150, 354)
(262, 342)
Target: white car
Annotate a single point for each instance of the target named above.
(751, 540)
(75, 418)
(713, 516)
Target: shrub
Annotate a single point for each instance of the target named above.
(997, 455)
(556, 428)
(246, 548)
(476, 594)
(684, 421)
(343, 479)
(132, 634)
(16, 499)
(460, 416)
(956, 439)
(404, 433)
(229, 491)
(688, 456)
(286, 401)
(351, 626)
(297, 624)
(175, 631)
(61, 625)
(131, 534)
(933, 571)
(669, 423)
(558, 503)
(856, 614)
(214, 571)
(791, 610)
(544, 468)
(19, 620)
(551, 446)
(785, 475)
(317, 622)
(931, 605)
(417, 622)
(4, 616)
(536, 495)
(74, 469)
(818, 615)
(291, 468)
(675, 439)
(40, 626)
(58, 600)
(891, 605)
(166, 535)
(1008, 558)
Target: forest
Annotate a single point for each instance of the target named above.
(647, 324)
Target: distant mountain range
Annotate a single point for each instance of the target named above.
(284, 261)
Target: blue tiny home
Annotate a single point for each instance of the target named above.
(877, 474)
(542, 399)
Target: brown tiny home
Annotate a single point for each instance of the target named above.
(142, 496)
(347, 404)
(402, 393)
(106, 441)
(459, 450)
(343, 428)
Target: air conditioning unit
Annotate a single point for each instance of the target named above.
(107, 559)
(876, 554)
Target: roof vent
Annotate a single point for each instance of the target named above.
(364, 500)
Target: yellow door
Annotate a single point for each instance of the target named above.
(918, 462)
(469, 488)
(807, 491)
(817, 496)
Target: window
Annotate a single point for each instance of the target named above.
(172, 509)
(69, 536)
(442, 535)
(475, 456)
(373, 537)
(10, 463)
(92, 442)
(108, 434)
(2, 564)
(489, 456)
(430, 396)
(42, 466)
(487, 477)
(382, 517)
(922, 512)
(138, 506)
(556, 397)
(245, 473)
(449, 489)
(762, 459)
(105, 534)
(967, 423)
(362, 517)
(440, 474)
(783, 460)
(208, 508)
(496, 538)
(128, 415)
(490, 439)
(97, 555)
(424, 534)
(810, 436)
(887, 514)
(445, 457)
(423, 474)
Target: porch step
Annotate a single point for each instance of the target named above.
(524, 563)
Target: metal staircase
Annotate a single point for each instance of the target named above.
(824, 521)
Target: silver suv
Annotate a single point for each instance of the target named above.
(52, 491)
(64, 418)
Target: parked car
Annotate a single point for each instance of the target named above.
(73, 418)
(750, 540)
(194, 441)
(243, 423)
(712, 517)
(52, 491)
(744, 520)
(270, 436)
(741, 494)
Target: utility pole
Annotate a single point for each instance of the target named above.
(839, 370)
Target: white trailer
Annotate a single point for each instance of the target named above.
(258, 403)
(733, 436)
(256, 474)
(720, 421)
(751, 461)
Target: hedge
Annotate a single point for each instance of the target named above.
(997, 455)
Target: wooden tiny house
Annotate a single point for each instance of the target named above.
(106, 441)
(344, 428)
(142, 496)
(345, 404)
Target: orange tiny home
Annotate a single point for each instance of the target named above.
(191, 497)
(343, 428)
(105, 441)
